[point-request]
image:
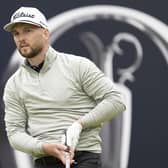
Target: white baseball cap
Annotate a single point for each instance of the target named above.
(28, 15)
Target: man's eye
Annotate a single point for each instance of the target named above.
(28, 30)
(15, 33)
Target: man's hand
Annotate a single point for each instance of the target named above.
(73, 134)
(58, 151)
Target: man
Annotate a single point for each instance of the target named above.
(52, 92)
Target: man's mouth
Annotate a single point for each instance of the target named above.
(23, 47)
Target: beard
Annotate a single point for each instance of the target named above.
(32, 53)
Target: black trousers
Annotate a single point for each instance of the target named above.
(82, 160)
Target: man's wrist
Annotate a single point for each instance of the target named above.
(80, 122)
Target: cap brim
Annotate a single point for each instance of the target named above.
(8, 27)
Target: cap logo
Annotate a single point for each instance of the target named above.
(22, 14)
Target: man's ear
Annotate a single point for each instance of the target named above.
(46, 33)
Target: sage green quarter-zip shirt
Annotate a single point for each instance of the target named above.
(40, 106)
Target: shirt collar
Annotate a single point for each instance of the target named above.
(50, 56)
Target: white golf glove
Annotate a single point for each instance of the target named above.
(73, 134)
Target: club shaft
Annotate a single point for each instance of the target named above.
(67, 160)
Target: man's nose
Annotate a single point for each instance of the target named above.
(21, 37)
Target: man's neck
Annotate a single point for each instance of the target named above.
(37, 68)
(38, 59)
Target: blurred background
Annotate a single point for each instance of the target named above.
(128, 40)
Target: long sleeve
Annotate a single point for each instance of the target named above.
(101, 89)
(16, 119)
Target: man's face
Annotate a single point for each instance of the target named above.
(30, 39)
